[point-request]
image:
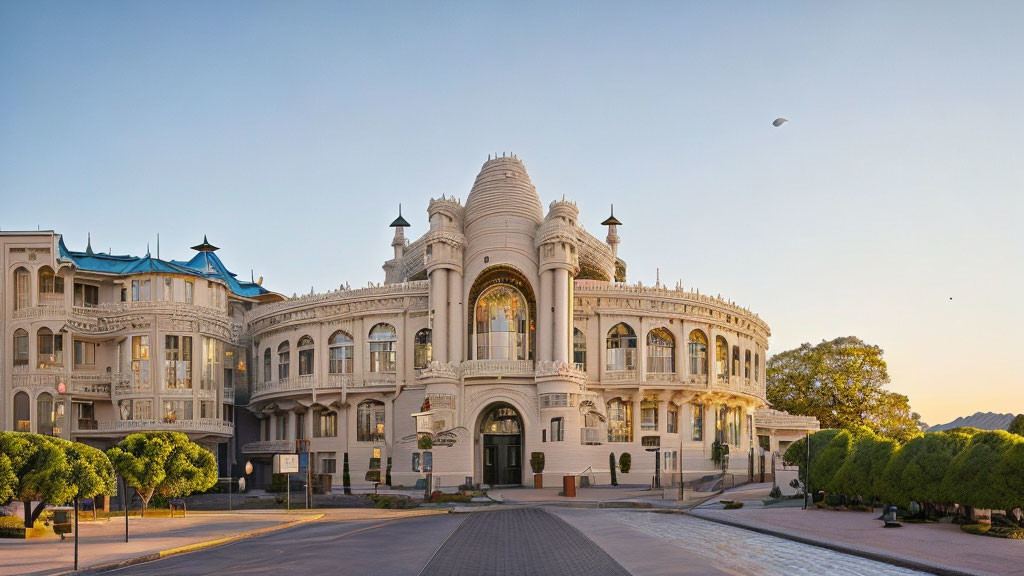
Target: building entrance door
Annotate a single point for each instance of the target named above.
(502, 449)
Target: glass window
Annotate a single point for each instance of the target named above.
(283, 358)
(501, 324)
(722, 358)
(421, 349)
(697, 433)
(672, 416)
(140, 360)
(212, 355)
(22, 412)
(661, 352)
(173, 410)
(305, 356)
(698, 353)
(86, 295)
(502, 420)
(649, 414)
(85, 353)
(757, 367)
(140, 290)
(169, 289)
(22, 296)
(746, 365)
(328, 463)
(341, 348)
(190, 291)
(49, 349)
(557, 430)
(325, 424)
(620, 421)
(266, 365)
(50, 283)
(44, 414)
(382, 348)
(300, 425)
(579, 349)
(20, 347)
(207, 409)
(621, 348)
(370, 421)
(178, 361)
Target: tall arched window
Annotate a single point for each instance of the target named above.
(50, 349)
(421, 349)
(370, 421)
(341, 347)
(621, 348)
(757, 367)
(22, 294)
(44, 414)
(661, 352)
(49, 284)
(306, 364)
(735, 361)
(20, 347)
(22, 412)
(698, 353)
(746, 365)
(283, 359)
(620, 420)
(579, 348)
(267, 374)
(501, 324)
(722, 358)
(382, 348)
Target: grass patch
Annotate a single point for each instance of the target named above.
(994, 531)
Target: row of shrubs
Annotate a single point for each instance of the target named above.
(966, 467)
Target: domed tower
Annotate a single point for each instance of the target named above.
(557, 246)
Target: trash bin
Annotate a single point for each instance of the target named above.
(62, 520)
(569, 486)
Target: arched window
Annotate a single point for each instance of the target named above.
(50, 349)
(736, 361)
(621, 348)
(620, 420)
(341, 348)
(757, 367)
(421, 349)
(501, 324)
(698, 353)
(382, 348)
(49, 283)
(283, 359)
(661, 352)
(44, 414)
(325, 424)
(579, 349)
(305, 347)
(22, 295)
(266, 365)
(649, 414)
(746, 365)
(370, 421)
(22, 412)
(722, 358)
(20, 347)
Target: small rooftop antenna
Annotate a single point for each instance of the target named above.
(157, 245)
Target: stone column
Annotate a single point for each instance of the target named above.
(272, 433)
(637, 398)
(544, 317)
(439, 306)
(289, 430)
(456, 325)
(560, 343)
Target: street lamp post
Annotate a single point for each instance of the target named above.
(807, 471)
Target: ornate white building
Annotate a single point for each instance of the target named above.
(501, 331)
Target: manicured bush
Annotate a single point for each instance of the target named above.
(346, 480)
(825, 466)
(994, 531)
(861, 472)
(797, 451)
(425, 442)
(979, 478)
(916, 470)
(611, 466)
(625, 462)
(391, 501)
(733, 505)
(537, 462)
(167, 464)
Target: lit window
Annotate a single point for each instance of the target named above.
(661, 352)
(672, 416)
(501, 324)
(382, 348)
(178, 361)
(20, 347)
(305, 356)
(579, 349)
(698, 353)
(283, 358)
(421, 349)
(370, 421)
(649, 414)
(697, 433)
(22, 296)
(325, 424)
(50, 349)
(620, 421)
(621, 349)
(722, 358)
(341, 349)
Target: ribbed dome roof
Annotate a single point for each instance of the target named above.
(503, 188)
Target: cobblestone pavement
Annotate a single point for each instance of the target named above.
(520, 542)
(733, 549)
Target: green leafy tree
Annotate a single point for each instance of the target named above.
(91, 471)
(977, 476)
(840, 382)
(8, 480)
(860, 475)
(164, 463)
(1017, 426)
(916, 470)
(1011, 472)
(796, 453)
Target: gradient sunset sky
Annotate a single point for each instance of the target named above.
(887, 208)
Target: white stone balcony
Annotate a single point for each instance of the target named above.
(200, 426)
(377, 379)
(269, 447)
(130, 383)
(37, 379)
(495, 368)
(92, 385)
(629, 375)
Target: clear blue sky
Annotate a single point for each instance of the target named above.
(289, 131)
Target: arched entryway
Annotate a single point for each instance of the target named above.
(501, 447)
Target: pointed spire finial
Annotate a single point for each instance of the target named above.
(88, 244)
(400, 222)
(611, 220)
(205, 246)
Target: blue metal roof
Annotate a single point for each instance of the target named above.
(205, 264)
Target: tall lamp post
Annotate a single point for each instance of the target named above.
(807, 471)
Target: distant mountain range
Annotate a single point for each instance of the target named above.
(979, 420)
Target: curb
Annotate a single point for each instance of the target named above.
(884, 558)
(192, 547)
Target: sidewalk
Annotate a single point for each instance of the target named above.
(102, 542)
(940, 548)
(636, 495)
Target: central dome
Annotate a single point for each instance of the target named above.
(503, 188)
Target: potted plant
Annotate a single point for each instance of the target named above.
(625, 462)
(537, 463)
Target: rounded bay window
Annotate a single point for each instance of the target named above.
(501, 324)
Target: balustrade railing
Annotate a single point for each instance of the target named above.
(269, 447)
(128, 383)
(36, 379)
(204, 425)
(497, 367)
(90, 384)
(336, 381)
(377, 379)
(620, 375)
